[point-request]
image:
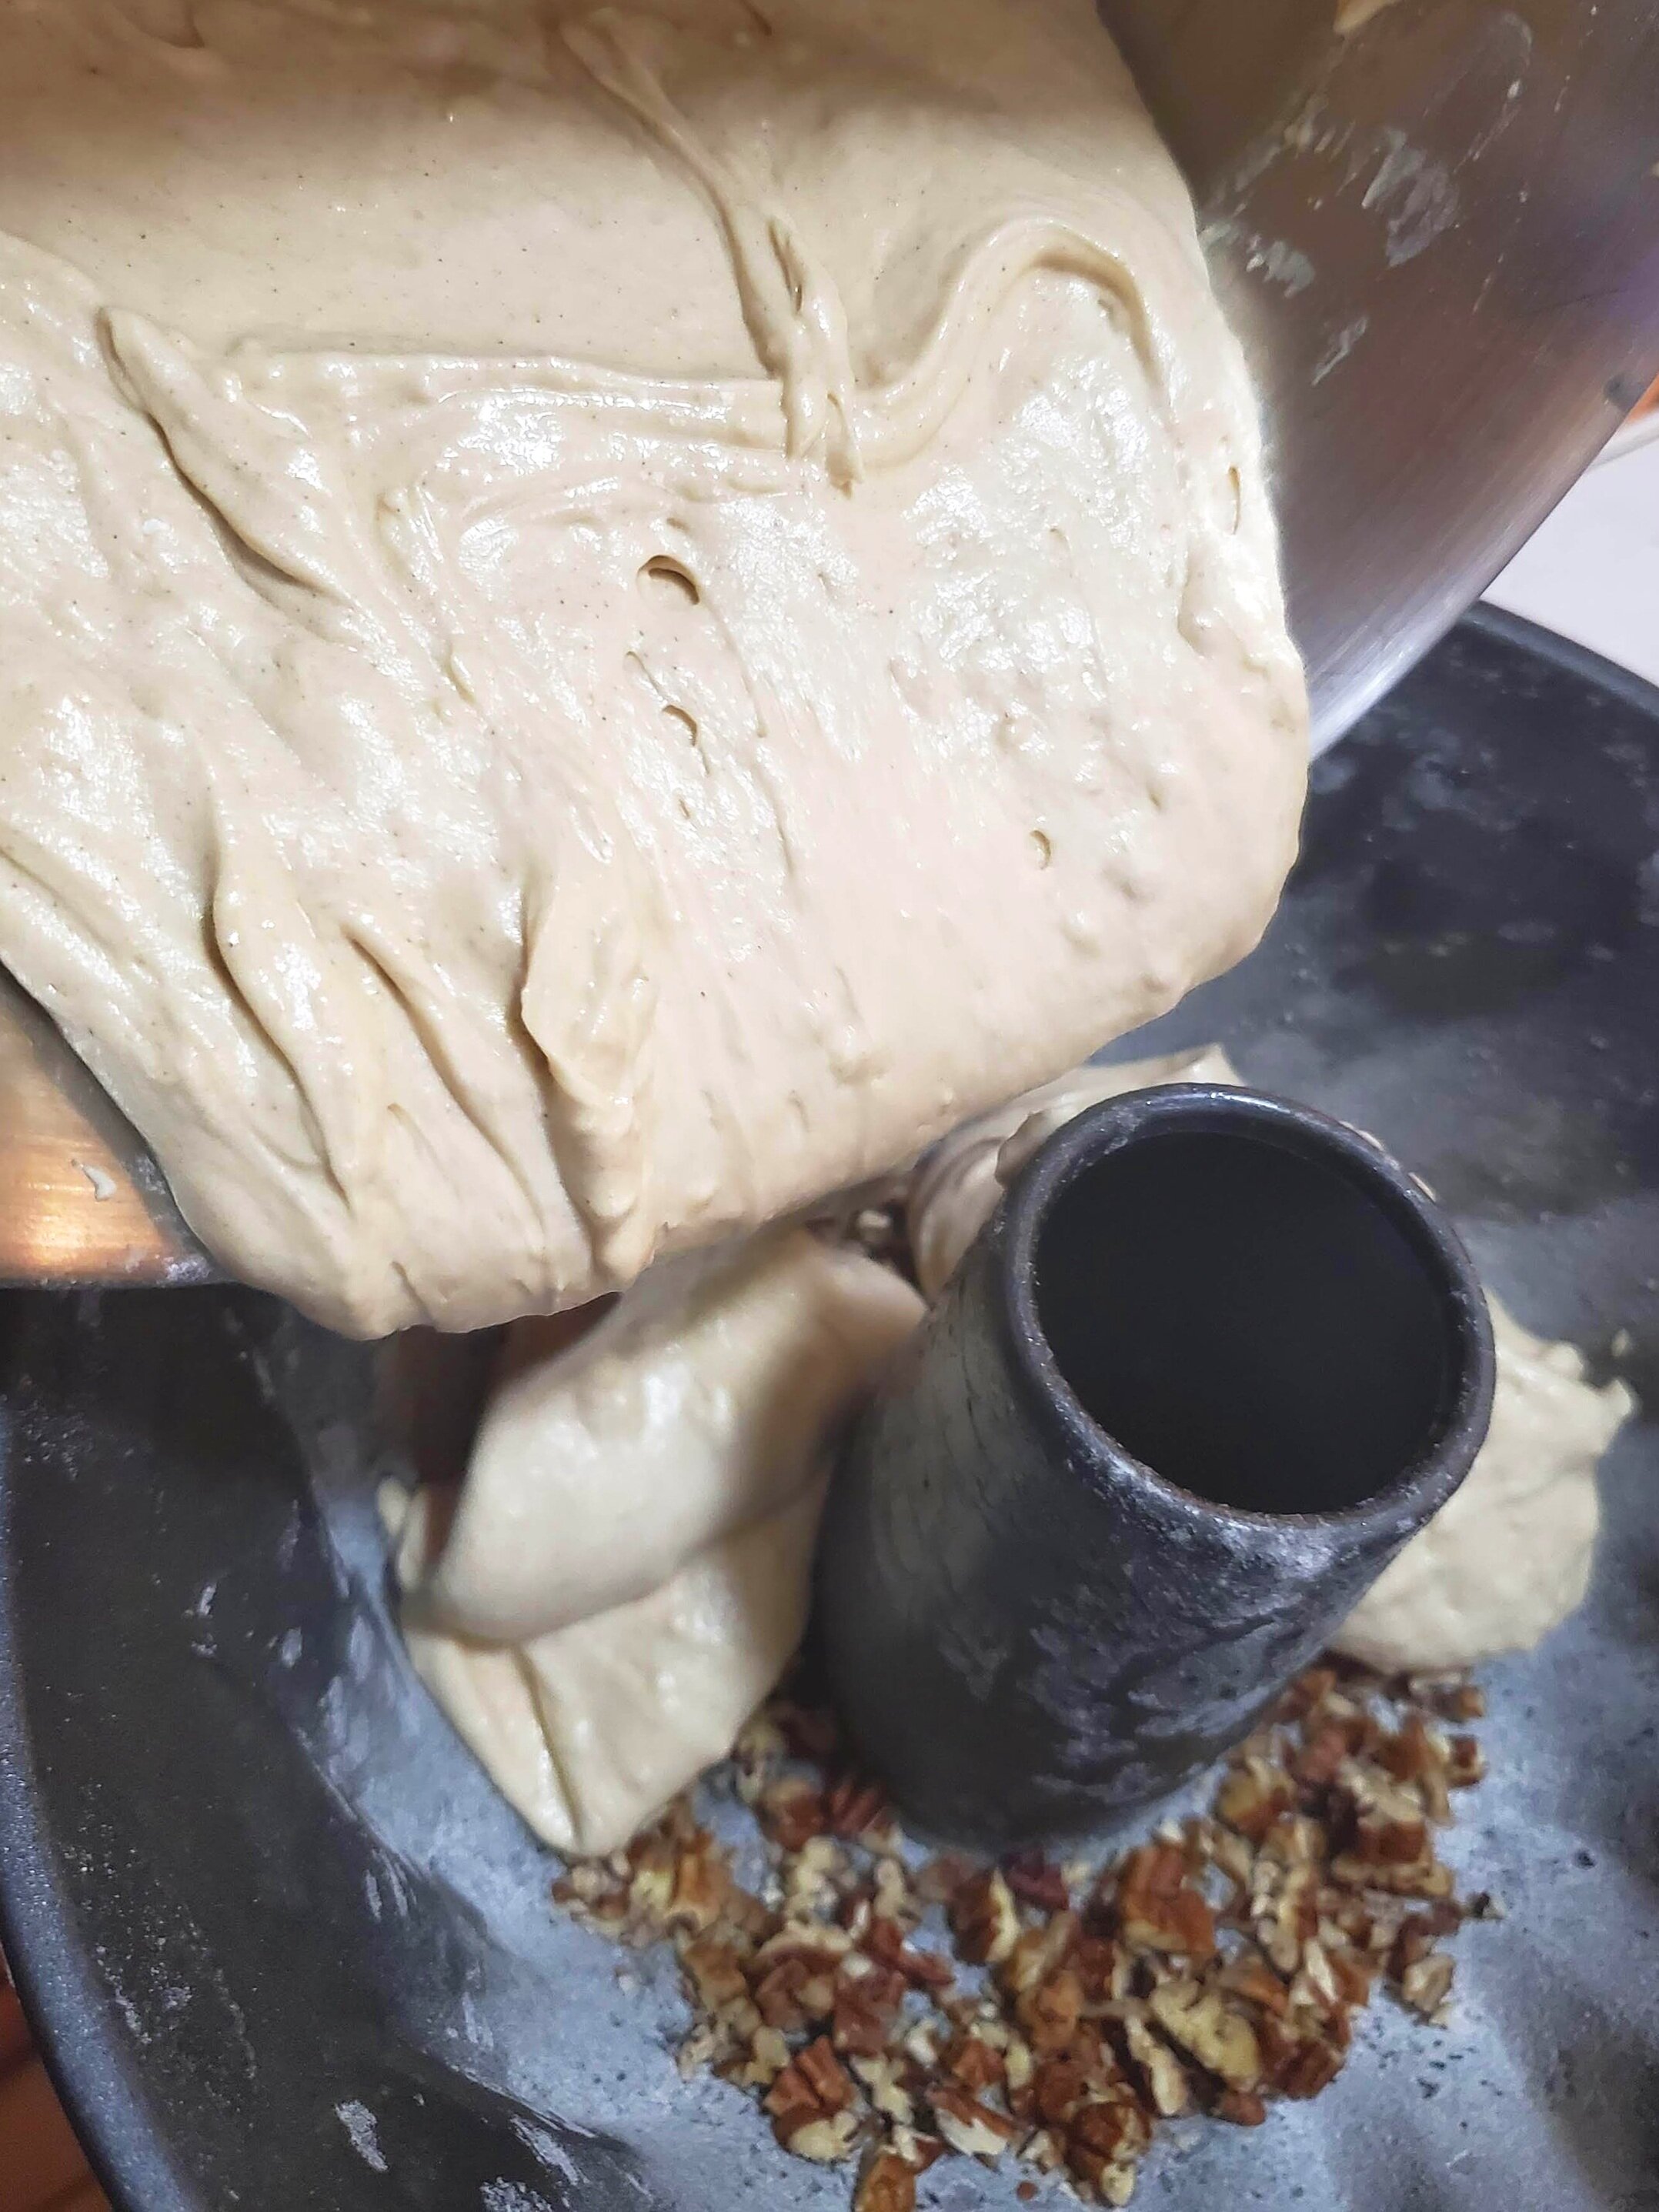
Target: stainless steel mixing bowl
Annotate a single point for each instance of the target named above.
(1438, 235)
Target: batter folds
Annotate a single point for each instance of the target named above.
(626, 1570)
(608, 618)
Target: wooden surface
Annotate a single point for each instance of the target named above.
(41, 2168)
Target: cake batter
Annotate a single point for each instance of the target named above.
(609, 618)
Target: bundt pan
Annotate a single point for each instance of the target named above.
(287, 1952)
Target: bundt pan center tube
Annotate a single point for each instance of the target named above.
(1212, 1362)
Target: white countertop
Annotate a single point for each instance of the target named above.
(1591, 571)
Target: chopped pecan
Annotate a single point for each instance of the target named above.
(1157, 1907)
(653, 1859)
(1427, 1984)
(1424, 1877)
(883, 2080)
(1352, 1975)
(1217, 2035)
(888, 2183)
(702, 1882)
(884, 1941)
(1037, 1953)
(1296, 1840)
(1060, 2086)
(985, 1919)
(1243, 2107)
(1019, 2095)
(1307, 1692)
(1389, 1829)
(866, 2007)
(1049, 2014)
(1310, 2069)
(1284, 1911)
(1316, 1983)
(971, 2062)
(940, 1880)
(853, 1806)
(820, 1942)
(916, 2149)
(824, 2076)
(1103, 1967)
(811, 1876)
(716, 1972)
(892, 1900)
(1167, 2082)
(1322, 1756)
(1452, 1700)
(1036, 1880)
(769, 2054)
(1044, 2151)
(1249, 1976)
(1413, 1750)
(1112, 2127)
(791, 1812)
(810, 2103)
(795, 1992)
(1466, 1763)
(969, 2127)
(824, 2142)
(1253, 1795)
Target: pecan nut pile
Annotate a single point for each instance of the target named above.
(893, 2013)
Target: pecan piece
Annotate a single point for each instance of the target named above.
(1426, 1985)
(1247, 1976)
(811, 2104)
(1058, 2087)
(854, 1805)
(970, 2128)
(1037, 1953)
(1202, 2023)
(1166, 2078)
(1243, 2107)
(796, 1991)
(715, 1972)
(883, 1941)
(888, 2184)
(1159, 1909)
(1036, 1880)
(1424, 1878)
(1466, 1763)
(985, 1919)
(1049, 2014)
(865, 2010)
(1253, 1795)
(1306, 1693)
(791, 1812)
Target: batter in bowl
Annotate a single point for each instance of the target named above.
(609, 619)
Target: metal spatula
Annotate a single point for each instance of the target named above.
(81, 1201)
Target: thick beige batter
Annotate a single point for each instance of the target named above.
(608, 619)
(1509, 1556)
(626, 1570)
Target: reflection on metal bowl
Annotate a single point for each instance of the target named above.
(1437, 236)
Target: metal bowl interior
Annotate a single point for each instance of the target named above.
(284, 1946)
(1437, 237)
